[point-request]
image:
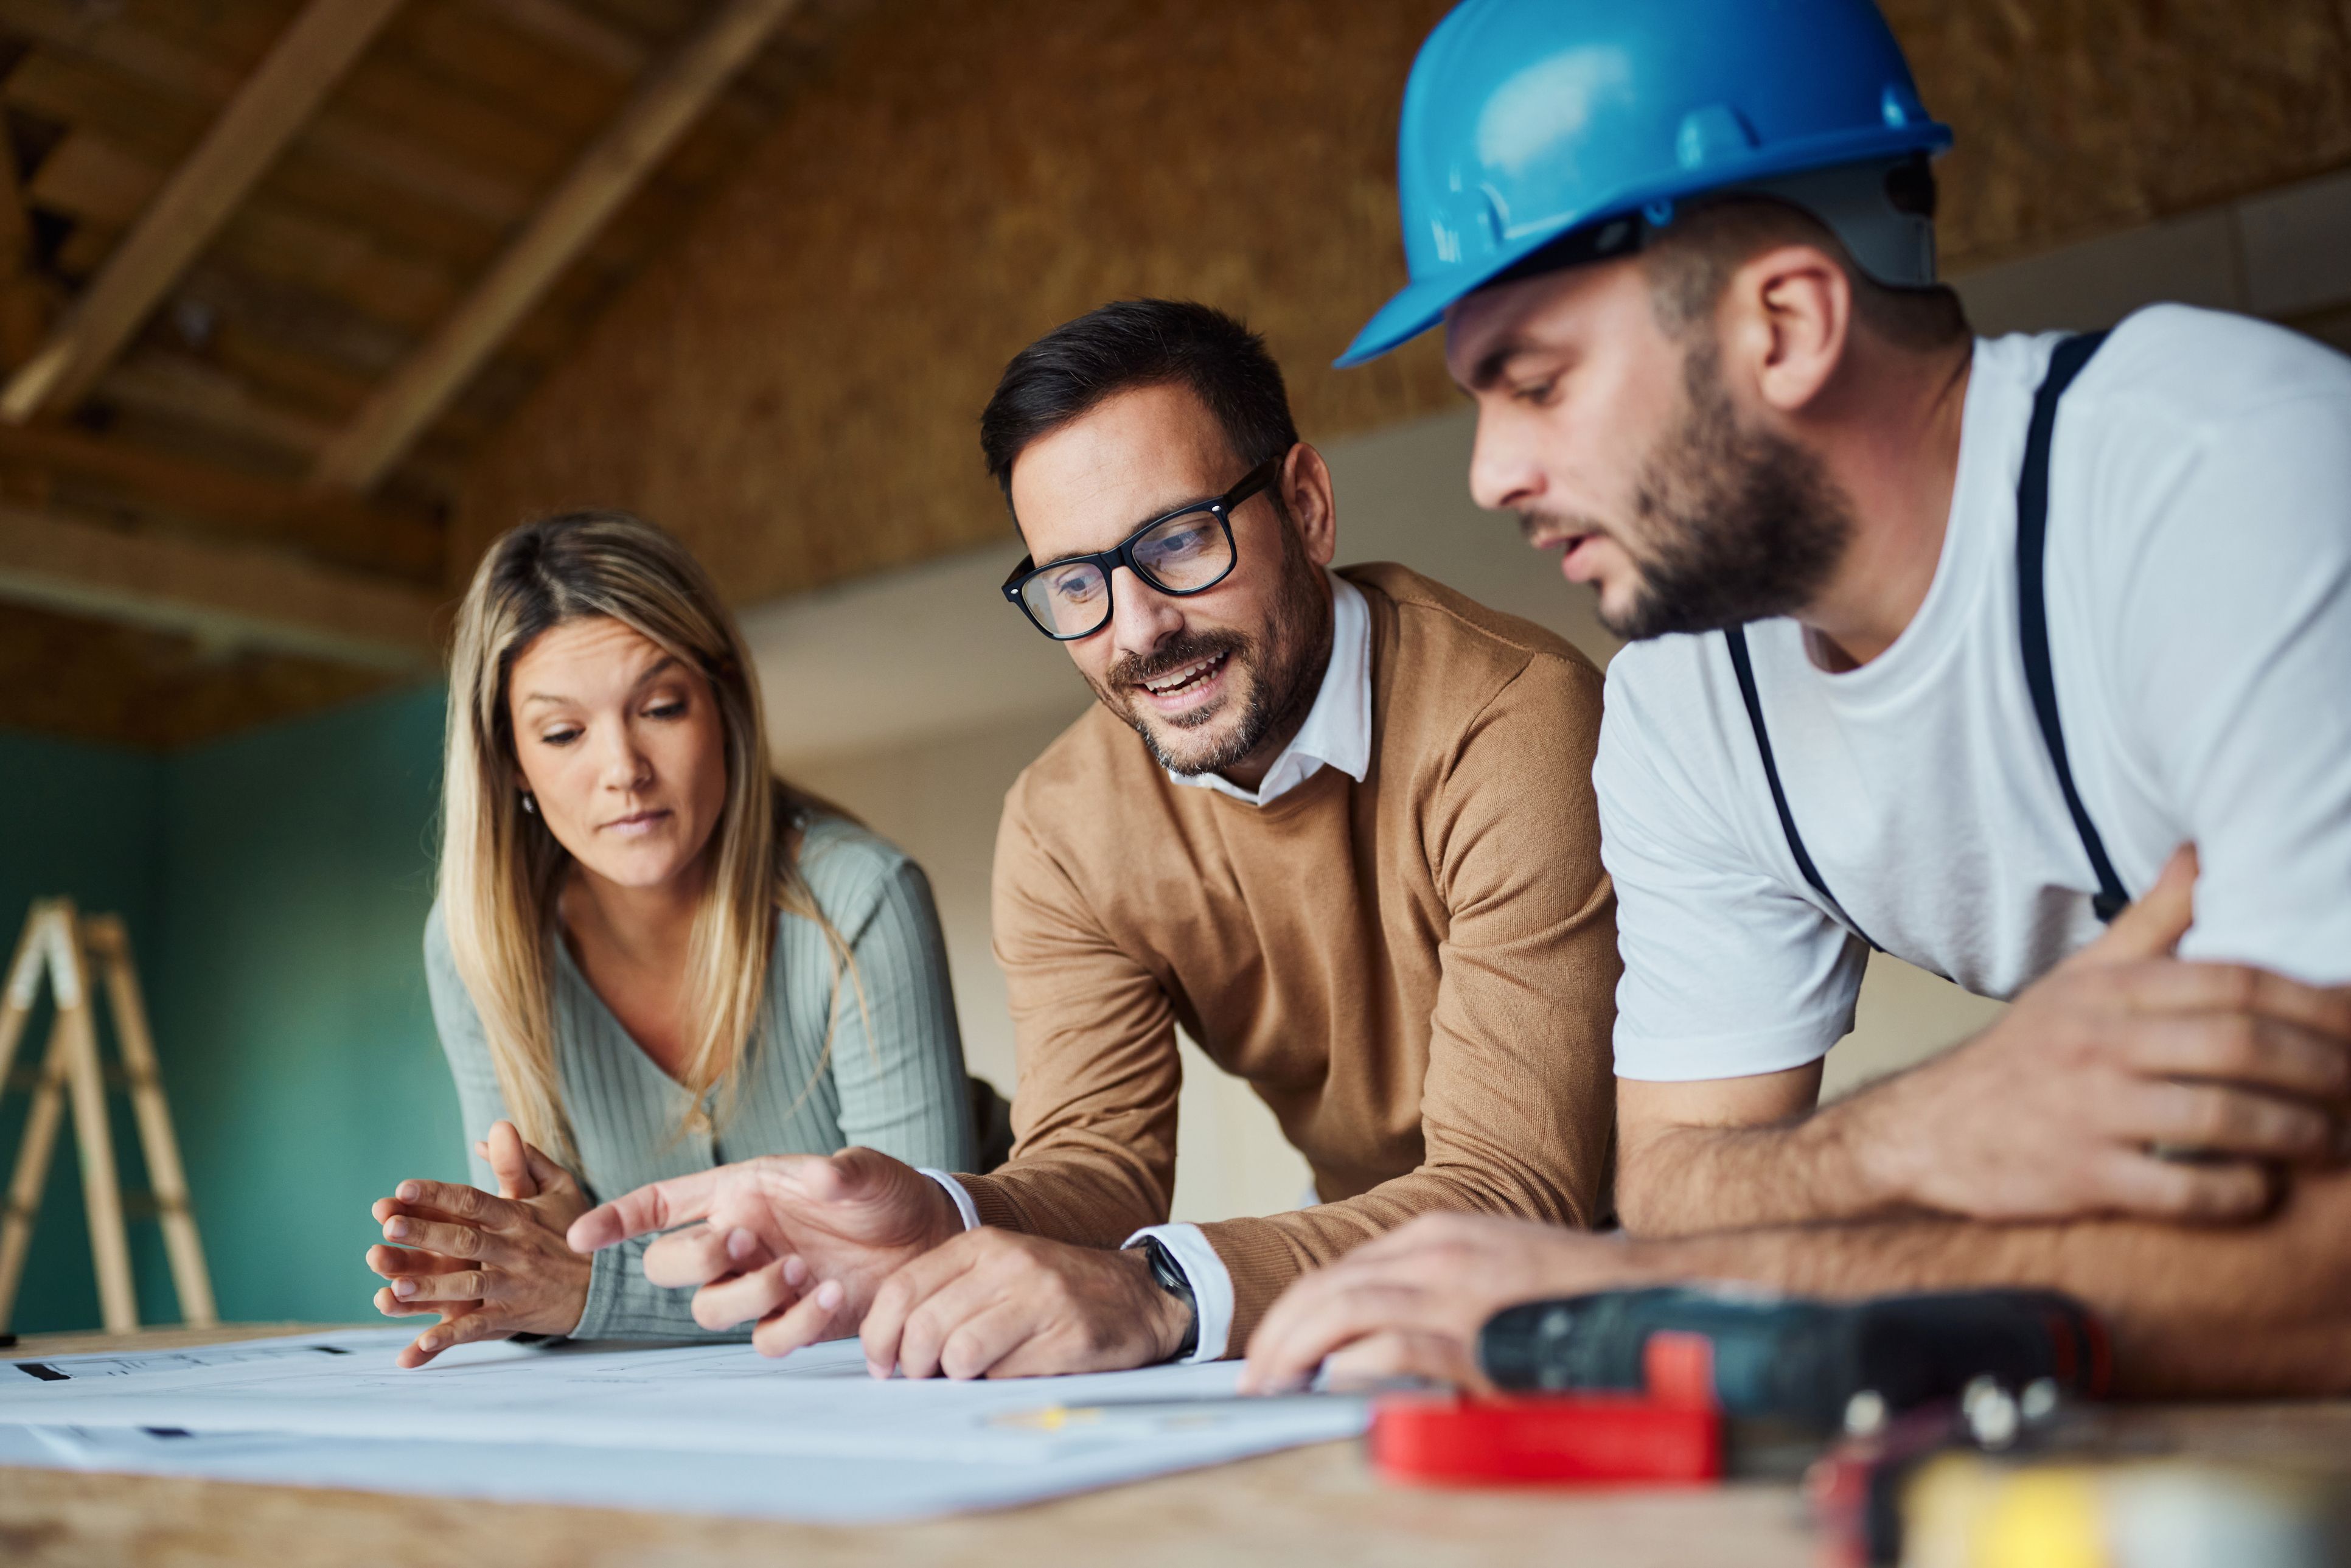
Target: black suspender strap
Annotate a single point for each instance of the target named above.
(2032, 618)
(1745, 668)
(2032, 602)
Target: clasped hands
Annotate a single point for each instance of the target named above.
(487, 1266)
(809, 1247)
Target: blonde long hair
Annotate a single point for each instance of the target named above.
(502, 870)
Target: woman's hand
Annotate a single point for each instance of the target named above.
(488, 1266)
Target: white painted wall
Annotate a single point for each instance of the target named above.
(916, 698)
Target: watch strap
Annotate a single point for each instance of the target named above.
(1171, 1278)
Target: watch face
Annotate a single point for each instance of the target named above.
(1163, 1267)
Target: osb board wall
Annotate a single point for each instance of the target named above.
(796, 391)
(794, 388)
(2082, 117)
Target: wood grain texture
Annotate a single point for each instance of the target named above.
(2078, 118)
(257, 125)
(234, 595)
(606, 174)
(56, 460)
(794, 388)
(131, 685)
(1310, 1505)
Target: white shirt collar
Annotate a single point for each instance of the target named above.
(1338, 729)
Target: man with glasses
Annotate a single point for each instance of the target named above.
(1337, 826)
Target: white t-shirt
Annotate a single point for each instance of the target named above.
(2200, 628)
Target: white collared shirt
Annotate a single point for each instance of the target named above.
(1337, 734)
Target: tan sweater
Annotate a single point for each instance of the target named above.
(1416, 973)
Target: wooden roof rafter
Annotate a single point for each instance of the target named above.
(464, 189)
(323, 43)
(605, 175)
(227, 594)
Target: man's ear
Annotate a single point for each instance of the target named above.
(1305, 485)
(1787, 315)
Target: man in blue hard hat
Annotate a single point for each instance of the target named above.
(2024, 659)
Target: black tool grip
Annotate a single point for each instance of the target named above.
(1798, 1360)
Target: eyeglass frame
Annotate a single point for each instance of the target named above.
(1108, 561)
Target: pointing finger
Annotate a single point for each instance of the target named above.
(658, 1205)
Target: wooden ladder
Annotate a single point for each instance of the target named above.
(68, 948)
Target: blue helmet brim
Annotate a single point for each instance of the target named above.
(1415, 307)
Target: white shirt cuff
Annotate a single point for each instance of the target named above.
(955, 1190)
(1212, 1287)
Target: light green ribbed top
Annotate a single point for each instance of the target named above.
(899, 1089)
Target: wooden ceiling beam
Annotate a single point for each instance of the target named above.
(283, 92)
(24, 301)
(335, 528)
(569, 28)
(228, 594)
(200, 394)
(602, 178)
(349, 144)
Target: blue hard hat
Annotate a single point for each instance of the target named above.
(1526, 121)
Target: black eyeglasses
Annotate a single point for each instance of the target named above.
(1189, 551)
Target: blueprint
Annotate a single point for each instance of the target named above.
(700, 1428)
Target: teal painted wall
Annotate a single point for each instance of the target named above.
(276, 885)
(84, 822)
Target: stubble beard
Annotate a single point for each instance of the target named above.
(1735, 524)
(1284, 669)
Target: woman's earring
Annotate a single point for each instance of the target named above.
(530, 803)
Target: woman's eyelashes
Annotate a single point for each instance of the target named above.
(664, 709)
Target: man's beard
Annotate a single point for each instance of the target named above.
(1285, 667)
(1738, 524)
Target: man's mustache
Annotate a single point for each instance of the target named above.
(1189, 648)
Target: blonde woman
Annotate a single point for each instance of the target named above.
(648, 954)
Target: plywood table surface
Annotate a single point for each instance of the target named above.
(1306, 1506)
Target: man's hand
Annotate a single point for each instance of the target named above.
(996, 1303)
(2060, 1109)
(1410, 1304)
(798, 1242)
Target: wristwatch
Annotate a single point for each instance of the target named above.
(1171, 1278)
